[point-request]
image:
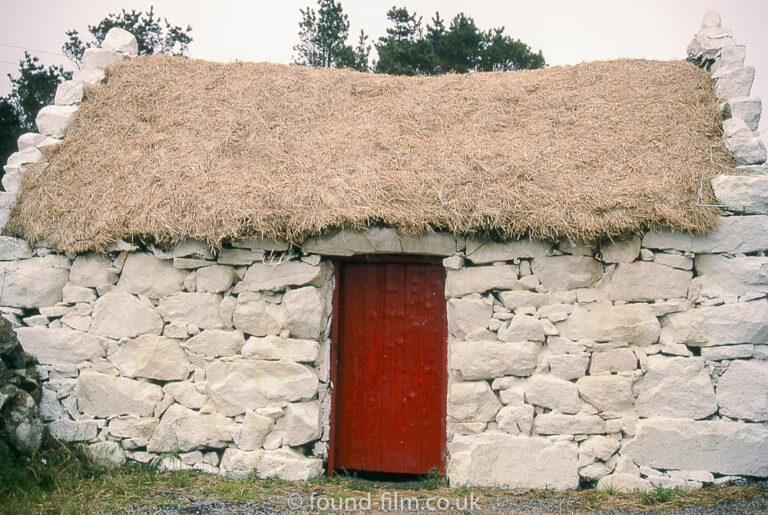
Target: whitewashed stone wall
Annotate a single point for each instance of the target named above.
(223, 359)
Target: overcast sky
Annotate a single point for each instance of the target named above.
(567, 31)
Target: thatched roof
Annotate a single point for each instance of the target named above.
(173, 148)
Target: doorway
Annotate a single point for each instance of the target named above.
(389, 366)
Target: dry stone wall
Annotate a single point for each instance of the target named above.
(221, 360)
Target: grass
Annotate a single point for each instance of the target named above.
(63, 480)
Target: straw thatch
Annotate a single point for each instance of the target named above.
(173, 148)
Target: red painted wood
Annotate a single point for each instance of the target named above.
(389, 367)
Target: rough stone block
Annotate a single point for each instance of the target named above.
(742, 391)
(34, 282)
(276, 348)
(121, 315)
(567, 272)
(678, 387)
(647, 281)
(734, 234)
(631, 323)
(745, 322)
(716, 446)
(105, 396)
(53, 120)
(742, 194)
(245, 384)
(480, 279)
(489, 360)
(151, 357)
(120, 40)
(497, 459)
(483, 251)
(553, 393)
(58, 346)
(472, 401)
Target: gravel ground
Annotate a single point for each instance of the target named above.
(721, 501)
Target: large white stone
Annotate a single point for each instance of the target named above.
(182, 429)
(305, 310)
(69, 92)
(92, 270)
(100, 58)
(132, 427)
(121, 315)
(632, 323)
(214, 279)
(567, 272)
(729, 278)
(559, 424)
(515, 419)
(58, 346)
(745, 322)
(274, 347)
(613, 360)
(303, 423)
(498, 459)
(213, 343)
(53, 120)
(198, 309)
(241, 385)
(745, 108)
(73, 430)
(734, 83)
(489, 360)
(103, 395)
(597, 448)
(731, 58)
(611, 395)
(522, 327)
(468, 315)
(34, 140)
(34, 282)
(472, 401)
(734, 234)
(553, 393)
(620, 251)
(90, 77)
(646, 281)
(480, 279)
(73, 294)
(721, 447)
(289, 465)
(259, 318)
(120, 40)
(516, 299)
(147, 275)
(742, 193)
(263, 276)
(735, 128)
(152, 357)
(380, 240)
(483, 251)
(746, 151)
(12, 249)
(675, 387)
(568, 366)
(742, 391)
(186, 394)
(255, 430)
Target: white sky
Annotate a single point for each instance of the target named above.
(567, 31)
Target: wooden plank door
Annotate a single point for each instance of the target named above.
(390, 368)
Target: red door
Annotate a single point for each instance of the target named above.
(390, 368)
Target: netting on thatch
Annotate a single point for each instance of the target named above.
(173, 148)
